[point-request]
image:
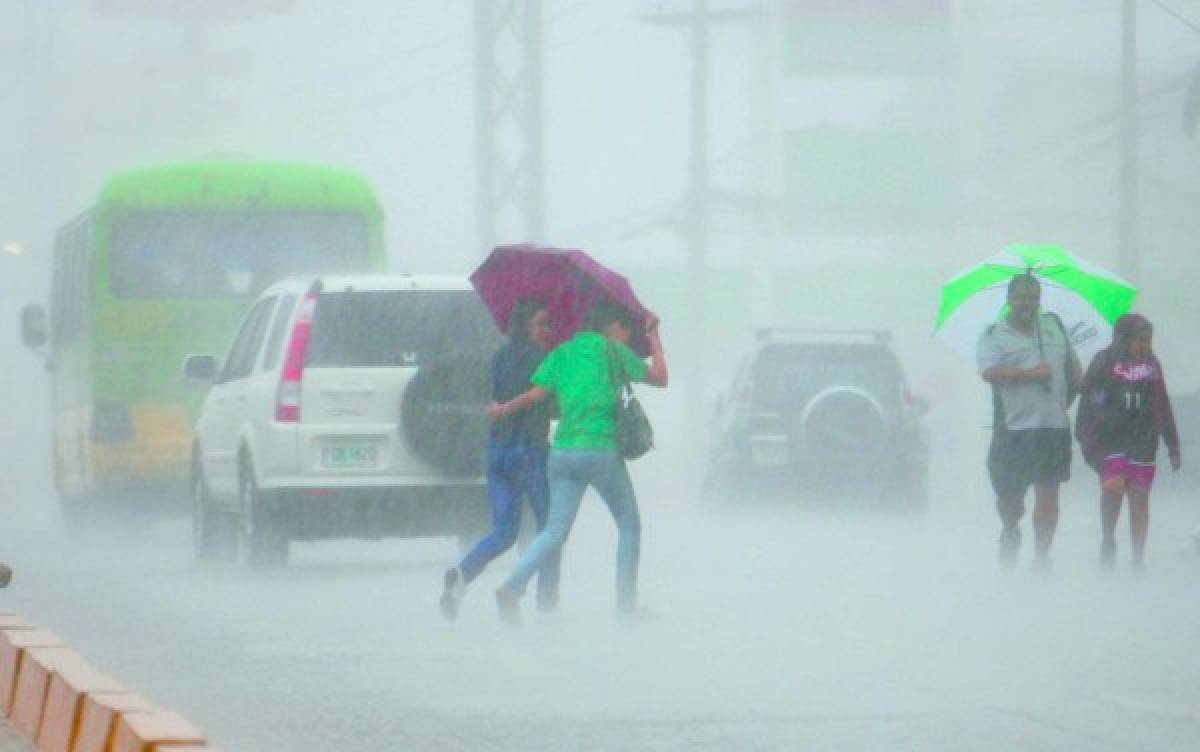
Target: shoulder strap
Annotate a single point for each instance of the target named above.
(1061, 327)
(615, 372)
(1068, 346)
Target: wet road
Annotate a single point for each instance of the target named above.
(775, 631)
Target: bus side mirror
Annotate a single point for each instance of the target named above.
(33, 326)
(200, 367)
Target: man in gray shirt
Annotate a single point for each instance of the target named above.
(1034, 372)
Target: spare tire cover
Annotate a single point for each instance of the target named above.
(443, 415)
(844, 422)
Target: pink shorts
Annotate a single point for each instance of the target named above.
(1140, 474)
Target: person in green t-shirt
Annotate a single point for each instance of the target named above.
(585, 375)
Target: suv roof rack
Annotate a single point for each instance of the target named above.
(767, 334)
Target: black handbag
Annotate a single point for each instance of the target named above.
(634, 434)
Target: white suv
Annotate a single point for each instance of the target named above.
(348, 406)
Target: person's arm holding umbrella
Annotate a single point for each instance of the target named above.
(656, 375)
(1024, 296)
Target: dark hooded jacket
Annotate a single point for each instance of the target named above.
(1123, 405)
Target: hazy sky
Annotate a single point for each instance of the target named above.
(1024, 118)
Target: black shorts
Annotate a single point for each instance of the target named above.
(1018, 459)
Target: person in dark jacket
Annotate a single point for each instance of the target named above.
(1124, 409)
(516, 463)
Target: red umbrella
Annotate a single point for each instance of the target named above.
(567, 279)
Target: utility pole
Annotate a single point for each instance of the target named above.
(1129, 252)
(698, 22)
(767, 151)
(510, 148)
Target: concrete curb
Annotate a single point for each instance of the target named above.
(55, 699)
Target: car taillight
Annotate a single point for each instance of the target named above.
(287, 401)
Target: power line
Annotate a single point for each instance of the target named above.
(1082, 129)
(1177, 16)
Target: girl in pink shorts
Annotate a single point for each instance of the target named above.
(1123, 411)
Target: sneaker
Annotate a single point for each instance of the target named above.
(508, 604)
(1042, 564)
(1010, 542)
(5, 575)
(1138, 566)
(454, 587)
(1108, 555)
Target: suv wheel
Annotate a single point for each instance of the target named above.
(261, 540)
(212, 532)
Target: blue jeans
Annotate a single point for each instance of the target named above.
(571, 471)
(514, 471)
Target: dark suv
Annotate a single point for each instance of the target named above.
(828, 410)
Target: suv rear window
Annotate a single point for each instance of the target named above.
(804, 368)
(397, 327)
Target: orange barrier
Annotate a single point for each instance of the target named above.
(149, 732)
(54, 697)
(69, 686)
(13, 644)
(33, 682)
(98, 719)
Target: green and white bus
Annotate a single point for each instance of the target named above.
(163, 265)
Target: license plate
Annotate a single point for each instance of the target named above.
(346, 456)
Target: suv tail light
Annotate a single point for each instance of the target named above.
(287, 400)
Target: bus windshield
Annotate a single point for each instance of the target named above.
(230, 253)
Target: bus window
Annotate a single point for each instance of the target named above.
(71, 293)
(176, 254)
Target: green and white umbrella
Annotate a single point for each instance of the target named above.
(1087, 298)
